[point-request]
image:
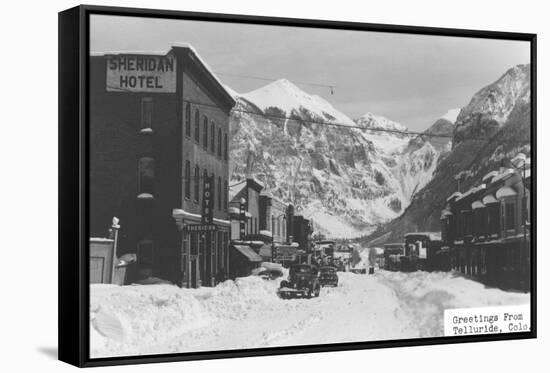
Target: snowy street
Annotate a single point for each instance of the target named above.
(247, 313)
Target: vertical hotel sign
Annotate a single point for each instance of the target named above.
(141, 73)
(208, 201)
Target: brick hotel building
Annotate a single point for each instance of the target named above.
(159, 124)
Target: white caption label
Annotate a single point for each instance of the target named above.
(487, 320)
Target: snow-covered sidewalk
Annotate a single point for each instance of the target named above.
(247, 313)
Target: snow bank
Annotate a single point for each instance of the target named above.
(426, 295)
(247, 313)
(152, 313)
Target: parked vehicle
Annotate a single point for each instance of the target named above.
(328, 276)
(303, 281)
(267, 273)
(392, 256)
(423, 252)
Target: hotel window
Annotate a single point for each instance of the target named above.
(146, 175)
(272, 225)
(220, 193)
(188, 119)
(187, 179)
(219, 142)
(226, 149)
(197, 126)
(213, 137)
(205, 132)
(146, 112)
(509, 215)
(197, 183)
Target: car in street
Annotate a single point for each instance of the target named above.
(328, 276)
(302, 282)
(267, 273)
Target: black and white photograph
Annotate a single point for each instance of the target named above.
(261, 186)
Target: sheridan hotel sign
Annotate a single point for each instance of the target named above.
(141, 73)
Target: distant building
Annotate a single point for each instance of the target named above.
(159, 124)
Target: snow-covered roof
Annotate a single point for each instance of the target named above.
(434, 236)
(503, 175)
(265, 233)
(236, 188)
(100, 239)
(472, 190)
(488, 199)
(197, 217)
(505, 191)
(248, 253)
(205, 65)
(233, 210)
(477, 205)
(488, 177)
(454, 195)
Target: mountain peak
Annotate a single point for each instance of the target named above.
(370, 120)
(451, 115)
(285, 96)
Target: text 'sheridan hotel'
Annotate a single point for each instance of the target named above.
(141, 73)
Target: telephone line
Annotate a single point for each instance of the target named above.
(333, 124)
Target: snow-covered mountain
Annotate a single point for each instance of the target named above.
(491, 107)
(284, 98)
(347, 180)
(493, 126)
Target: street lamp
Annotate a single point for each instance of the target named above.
(273, 237)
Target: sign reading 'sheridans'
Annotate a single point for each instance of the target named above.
(141, 73)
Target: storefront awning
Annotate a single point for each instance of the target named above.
(488, 199)
(505, 191)
(248, 253)
(477, 205)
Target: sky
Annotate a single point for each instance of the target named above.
(410, 79)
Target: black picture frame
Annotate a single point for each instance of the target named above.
(74, 181)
